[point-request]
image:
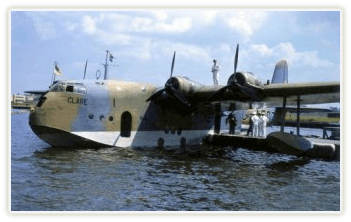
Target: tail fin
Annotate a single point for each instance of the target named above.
(280, 74)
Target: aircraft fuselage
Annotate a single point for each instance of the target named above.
(115, 113)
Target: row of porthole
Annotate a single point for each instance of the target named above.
(179, 132)
(91, 116)
(102, 117)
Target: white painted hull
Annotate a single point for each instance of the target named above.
(62, 138)
(146, 138)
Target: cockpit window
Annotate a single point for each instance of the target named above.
(69, 87)
(79, 88)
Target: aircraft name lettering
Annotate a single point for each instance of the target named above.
(77, 101)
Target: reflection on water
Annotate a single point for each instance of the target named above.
(120, 179)
(284, 166)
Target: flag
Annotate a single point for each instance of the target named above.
(57, 70)
(111, 57)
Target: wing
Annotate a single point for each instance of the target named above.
(273, 95)
(244, 90)
(246, 94)
(309, 93)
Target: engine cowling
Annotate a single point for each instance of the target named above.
(178, 88)
(182, 84)
(245, 79)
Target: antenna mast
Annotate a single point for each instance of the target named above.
(110, 57)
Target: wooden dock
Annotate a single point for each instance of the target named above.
(261, 144)
(237, 140)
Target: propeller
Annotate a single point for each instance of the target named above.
(249, 94)
(171, 88)
(223, 89)
(233, 85)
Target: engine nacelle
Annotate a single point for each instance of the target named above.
(246, 79)
(183, 84)
(178, 88)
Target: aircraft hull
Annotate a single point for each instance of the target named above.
(147, 138)
(61, 138)
(116, 113)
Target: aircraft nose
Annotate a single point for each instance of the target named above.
(32, 116)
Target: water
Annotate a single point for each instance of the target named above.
(119, 179)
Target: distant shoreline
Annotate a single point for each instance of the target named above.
(15, 112)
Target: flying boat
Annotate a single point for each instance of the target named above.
(105, 113)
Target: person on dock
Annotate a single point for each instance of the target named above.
(253, 128)
(232, 123)
(249, 131)
(260, 124)
(263, 125)
(255, 121)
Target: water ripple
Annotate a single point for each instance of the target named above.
(123, 179)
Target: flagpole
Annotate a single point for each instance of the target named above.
(53, 75)
(54, 78)
(56, 65)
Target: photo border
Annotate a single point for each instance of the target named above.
(195, 215)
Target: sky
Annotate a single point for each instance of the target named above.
(142, 43)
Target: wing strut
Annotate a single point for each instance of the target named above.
(282, 122)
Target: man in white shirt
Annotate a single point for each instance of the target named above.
(215, 71)
(255, 120)
(263, 123)
(260, 125)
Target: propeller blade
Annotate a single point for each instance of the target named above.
(173, 63)
(172, 92)
(250, 93)
(180, 97)
(219, 92)
(159, 93)
(251, 96)
(236, 58)
(156, 94)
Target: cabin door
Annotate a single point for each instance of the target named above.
(126, 124)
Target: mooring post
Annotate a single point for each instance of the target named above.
(282, 123)
(298, 116)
